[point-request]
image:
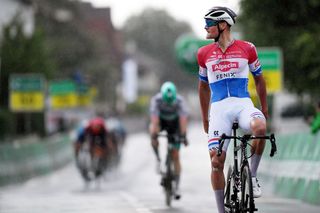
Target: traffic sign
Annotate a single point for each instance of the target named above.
(63, 94)
(26, 92)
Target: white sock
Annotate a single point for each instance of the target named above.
(220, 200)
(255, 160)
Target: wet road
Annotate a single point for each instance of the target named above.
(133, 187)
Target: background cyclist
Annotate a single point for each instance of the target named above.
(224, 67)
(95, 127)
(168, 112)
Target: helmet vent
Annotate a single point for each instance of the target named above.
(217, 14)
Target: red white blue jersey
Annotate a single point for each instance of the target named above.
(227, 72)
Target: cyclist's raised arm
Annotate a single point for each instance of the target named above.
(204, 95)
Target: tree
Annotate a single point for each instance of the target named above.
(80, 41)
(154, 33)
(295, 27)
(20, 54)
(70, 45)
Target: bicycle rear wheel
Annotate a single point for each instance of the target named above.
(247, 200)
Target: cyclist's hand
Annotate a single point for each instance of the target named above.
(185, 142)
(183, 139)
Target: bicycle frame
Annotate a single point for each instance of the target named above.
(168, 177)
(92, 159)
(240, 176)
(235, 170)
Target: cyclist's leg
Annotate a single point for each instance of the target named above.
(154, 129)
(219, 123)
(252, 120)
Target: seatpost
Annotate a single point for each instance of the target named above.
(235, 126)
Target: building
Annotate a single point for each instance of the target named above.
(22, 9)
(109, 45)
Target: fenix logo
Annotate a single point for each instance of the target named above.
(225, 66)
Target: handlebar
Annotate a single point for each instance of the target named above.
(246, 138)
(175, 137)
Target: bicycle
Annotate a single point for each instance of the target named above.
(92, 161)
(239, 193)
(167, 179)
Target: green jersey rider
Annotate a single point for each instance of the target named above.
(168, 112)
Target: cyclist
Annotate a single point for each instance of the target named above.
(94, 128)
(224, 66)
(168, 112)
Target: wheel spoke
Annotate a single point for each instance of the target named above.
(247, 200)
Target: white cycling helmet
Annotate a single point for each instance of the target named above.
(221, 14)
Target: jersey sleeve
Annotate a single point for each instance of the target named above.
(202, 67)
(253, 60)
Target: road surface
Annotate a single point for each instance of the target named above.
(133, 187)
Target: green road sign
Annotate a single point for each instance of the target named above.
(63, 94)
(186, 48)
(27, 82)
(270, 58)
(26, 92)
(62, 87)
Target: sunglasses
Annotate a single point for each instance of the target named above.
(210, 23)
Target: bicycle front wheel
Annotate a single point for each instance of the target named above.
(247, 200)
(168, 185)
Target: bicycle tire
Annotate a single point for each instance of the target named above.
(168, 196)
(247, 200)
(168, 181)
(227, 195)
(168, 188)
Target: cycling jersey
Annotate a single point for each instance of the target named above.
(227, 72)
(168, 111)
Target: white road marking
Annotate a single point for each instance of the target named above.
(133, 201)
